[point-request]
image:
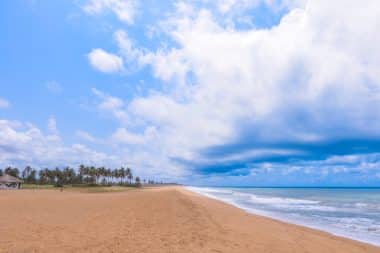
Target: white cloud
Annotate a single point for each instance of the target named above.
(104, 61)
(54, 87)
(312, 77)
(125, 10)
(85, 136)
(363, 164)
(122, 135)
(23, 143)
(225, 6)
(250, 75)
(4, 103)
(112, 105)
(306, 79)
(89, 156)
(127, 49)
(109, 102)
(52, 126)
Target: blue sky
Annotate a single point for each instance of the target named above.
(237, 92)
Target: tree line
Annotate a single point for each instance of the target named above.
(83, 175)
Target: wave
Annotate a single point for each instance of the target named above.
(354, 219)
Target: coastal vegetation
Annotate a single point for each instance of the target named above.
(82, 176)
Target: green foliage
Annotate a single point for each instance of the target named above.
(87, 176)
(12, 171)
(37, 186)
(29, 175)
(138, 181)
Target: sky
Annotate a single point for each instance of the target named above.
(201, 92)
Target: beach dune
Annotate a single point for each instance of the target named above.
(168, 219)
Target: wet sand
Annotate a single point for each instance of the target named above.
(167, 219)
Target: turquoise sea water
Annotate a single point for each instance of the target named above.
(348, 212)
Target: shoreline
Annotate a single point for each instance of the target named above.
(158, 220)
(279, 219)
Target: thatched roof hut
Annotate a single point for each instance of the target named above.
(8, 181)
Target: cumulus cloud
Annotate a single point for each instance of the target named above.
(113, 105)
(4, 103)
(299, 96)
(52, 126)
(122, 135)
(104, 61)
(23, 143)
(85, 136)
(307, 80)
(125, 10)
(333, 169)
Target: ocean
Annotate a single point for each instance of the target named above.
(349, 212)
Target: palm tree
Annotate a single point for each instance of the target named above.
(42, 175)
(51, 176)
(92, 173)
(97, 175)
(12, 171)
(82, 169)
(122, 174)
(129, 175)
(109, 175)
(69, 175)
(137, 180)
(26, 173)
(58, 177)
(115, 174)
(32, 177)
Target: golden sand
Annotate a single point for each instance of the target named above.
(168, 219)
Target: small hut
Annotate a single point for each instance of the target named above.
(10, 182)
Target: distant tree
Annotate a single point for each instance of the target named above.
(92, 173)
(122, 174)
(43, 176)
(31, 179)
(25, 173)
(109, 175)
(115, 174)
(129, 175)
(12, 171)
(51, 176)
(56, 176)
(82, 170)
(29, 175)
(67, 175)
(102, 173)
(138, 181)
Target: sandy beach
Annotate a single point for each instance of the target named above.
(168, 219)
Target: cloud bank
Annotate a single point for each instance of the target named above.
(311, 80)
(298, 96)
